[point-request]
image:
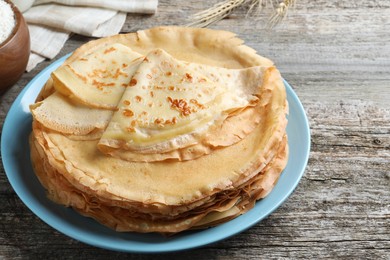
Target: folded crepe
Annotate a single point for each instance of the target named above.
(162, 130)
(166, 116)
(100, 78)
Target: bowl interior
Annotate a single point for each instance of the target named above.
(18, 18)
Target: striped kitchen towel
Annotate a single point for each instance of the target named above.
(52, 21)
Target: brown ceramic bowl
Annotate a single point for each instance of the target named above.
(14, 52)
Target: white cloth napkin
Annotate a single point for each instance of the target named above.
(51, 22)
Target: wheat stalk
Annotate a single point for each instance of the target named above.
(280, 12)
(224, 8)
(256, 6)
(215, 13)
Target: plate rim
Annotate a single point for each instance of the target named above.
(40, 211)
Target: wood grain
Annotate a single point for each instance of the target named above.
(336, 55)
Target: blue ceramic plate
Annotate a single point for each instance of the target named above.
(17, 165)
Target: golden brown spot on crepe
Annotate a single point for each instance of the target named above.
(133, 82)
(166, 64)
(100, 85)
(197, 104)
(98, 73)
(130, 129)
(126, 102)
(188, 77)
(180, 105)
(109, 50)
(151, 93)
(138, 99)
(83, 59)
(168, 73)
(128, 113)
(159, 121)
(118, 73)
(149, 76)
(124, 65)
(171, 121)
(83, 78)
(171, 88)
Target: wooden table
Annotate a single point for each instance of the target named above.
(336, 55)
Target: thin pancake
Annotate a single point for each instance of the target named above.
(61, 114)
(171, 105)
(156, 182)
(98, 79)
(233, 129)
(247, 149)
(122, 219)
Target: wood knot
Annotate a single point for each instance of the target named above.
(377, 141)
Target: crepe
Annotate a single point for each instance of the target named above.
(63, 115)
(173, 104)
(98, 79)
(216, 111)
(170, 99)
(127, 219)
(227, 131)
(224, 151)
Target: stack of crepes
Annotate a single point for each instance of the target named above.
(163, 130)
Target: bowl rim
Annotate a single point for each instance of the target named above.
(18, 20)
